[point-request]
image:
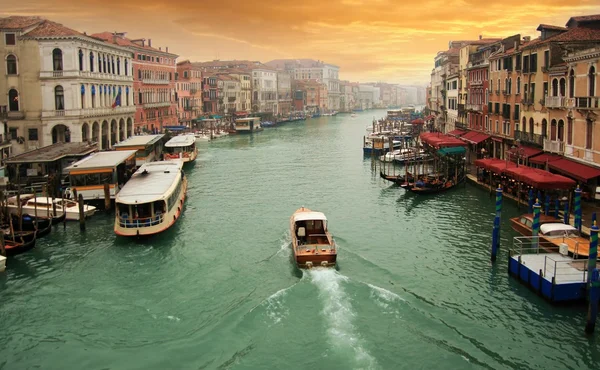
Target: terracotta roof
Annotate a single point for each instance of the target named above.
(52, 29)
(17, 22)
(120, 40)
(583, 19)
(578, 34)
(550, 27)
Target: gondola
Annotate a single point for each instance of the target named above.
(44, 225)
(23, 241)
(397, 178)
(433, 189)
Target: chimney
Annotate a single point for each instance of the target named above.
(516, 45)
(480, 37)
(160, 48)
(150, 42)
(526, 38)
(166, 49)
(114, 38)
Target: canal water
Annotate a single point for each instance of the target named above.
(414, 288)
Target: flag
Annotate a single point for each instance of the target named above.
(117, 101)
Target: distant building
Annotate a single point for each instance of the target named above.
(189, 92)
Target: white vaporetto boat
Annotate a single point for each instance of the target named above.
(43, 207)
(181, 147)
(152, 200)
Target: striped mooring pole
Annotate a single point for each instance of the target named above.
(496, 230)
(578, 208)
(535, 228)
(593, 256)
(566, 213)
(593, 279)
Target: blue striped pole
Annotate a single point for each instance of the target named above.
(578, 208)
(535, 228)
(547, 205)
(566, 213)
(530, 204)
(593, 256)
(556, 208)
(594, 296)
(495, 238)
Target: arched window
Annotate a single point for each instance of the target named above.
(553, 130)
(554, 87)
(561, 130)
(570, 131)
(544, 128)
(118, 65)
(506, 85)
(562, 87)
(592, 81)
(59, 98)
(99, 62)
(531, 125)
(13, 100)
(127, 95)
(524, 128)
(518, 85)
(126, 68)
(104, 64)
(57, 60)
(509, 88)
(91, 61)
(589, 133)
(82, 96)
(572, 84)
(11, 64)
(80, 60)
(93, 96)
(112, 65)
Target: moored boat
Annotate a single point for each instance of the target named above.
(65, 208)
(566, 237)
(152, 200)
(2, 263)
(43, 226)
(523, 224)
(312, 243)
(18, 242)
(181, 147)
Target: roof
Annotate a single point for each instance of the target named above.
(524, 151)
(438, 140)
(54, 152)
(151, 182)
(544, 158)
(574, 169)
(578, 34)
(457, 150)
(180, 140)
(17, 22)
(474, 137)
(119, 39)
(539, 179)
(102, 160)
(550, 27)
(307, 216)
(456, 133)
(574, 21)
(139, 140)
(555, 226)
(488, 162)
(52, 29)
(247, 119)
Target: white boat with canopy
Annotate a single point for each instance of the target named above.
(181, 147)
(152, 200)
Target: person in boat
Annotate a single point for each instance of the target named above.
(420, 183)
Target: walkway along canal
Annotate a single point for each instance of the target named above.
(415, 285)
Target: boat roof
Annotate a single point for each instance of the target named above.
(150, 186)
(139, 140)
(556, 226)
(181, 140)
(54, 152)
(102, 160)
(247, 119)
(306, 216)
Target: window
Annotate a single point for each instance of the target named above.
(32, 134)
(592, 81)
(545, 89)
(532, 93)
(82, 96)
(13, 100)
(93, 96)
(547, 59)
(99, 63)
(509, 88)
(11, 64)
(562, 87)
(561, 130)
(80, 60)
(112, 65)
(13, 132)
(533, 66)
(59, 98)
(91, 62)
(555, 87)
(518, 85)
(544, 128)
(140, 98)
(570, 131)
(126, 68)
(589, 131)
(139, 74)
(118, 66)
(572, 84)
(10, 39)
(517, 113)
(57, 60)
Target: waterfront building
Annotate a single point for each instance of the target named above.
(451, 102)
(62, 85)
(365, 98)
(154, 82)
(309, 96)
(210, 93)
(230, 100)
(347, 96)
(243, 102)
(264, 90)
(189, 92)
(284, 93)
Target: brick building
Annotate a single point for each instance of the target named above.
(189, 92)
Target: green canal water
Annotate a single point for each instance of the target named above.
(414, 289)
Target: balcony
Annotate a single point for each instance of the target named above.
(152, 81)
(157, 105)
(475, 107)
(527, 137)
(589, 102)
(12, 115)
(555, 101)
(89, 112)
(554, 146)
(476, 83)
(84, 74)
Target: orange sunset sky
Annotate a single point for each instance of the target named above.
(371, 40)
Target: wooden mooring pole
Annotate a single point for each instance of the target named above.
(2, 247)
(496, 231)
(81, 214)
(106, 197)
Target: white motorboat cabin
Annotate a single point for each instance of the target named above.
(247, 125)
(152, 200)
(181, 147)
(149, 147)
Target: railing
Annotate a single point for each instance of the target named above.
(475, 107)
(15, 115)
(310, 241)
(590, 102)
(528, 137)
(157, 105)
(84, 74)
(89, 112)
(476, 83)
(555, 101)
(554, 146)
(154, 81)
(125, 222)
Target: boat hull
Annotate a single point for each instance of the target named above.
(320, 252)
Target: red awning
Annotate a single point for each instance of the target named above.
(431, 116)
(456, 133)
(439, 140)
(485, 163)
(474, 137)
(540, 179)
(501, 167)
(574, 169)
(525, 151)
(417, 121)
(544, 158)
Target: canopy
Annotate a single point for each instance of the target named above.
(438, 140)
(456, 133)
(457, 150)
(431, 116)
(474, 137)
(175, 128)
(485, 163)
(525, 151)
(544, 158)
(501, 167)
(309, 216)
(417, 121)
(555, 226)
(574, 169)
(540, 179)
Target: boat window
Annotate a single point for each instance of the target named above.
(159, 207)
(142, 210)
(123, 210)
(523, 220)
(528, 223)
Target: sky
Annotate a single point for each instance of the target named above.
(391, 41)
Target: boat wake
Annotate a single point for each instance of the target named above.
(275, 305)
(338, 313)
(284, 248)
(386, 300)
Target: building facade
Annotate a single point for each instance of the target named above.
(62, 85)
(189, 92)
(284, 93)
(264, 90)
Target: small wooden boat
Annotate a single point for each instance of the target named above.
(312, 243)
(421, 187)
(44, 225)
(18, 245)
(523, 224)
(565, 238)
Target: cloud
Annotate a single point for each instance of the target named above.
(369, 39)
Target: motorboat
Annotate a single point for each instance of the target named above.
(201, 136)
(312, 243)
(523, 224)
(181, 147)
(45, 207)
(566, 238)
